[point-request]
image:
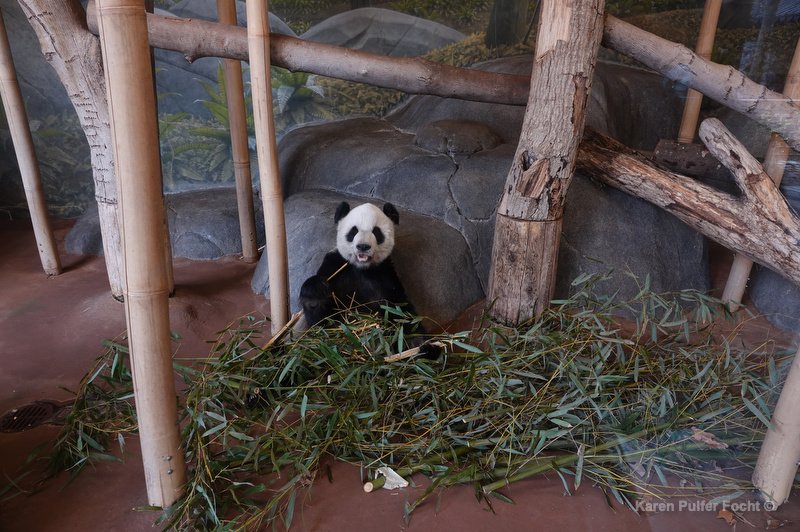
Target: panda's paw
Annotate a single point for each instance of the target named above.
(431, 350)
(315, 288)
(316, 300)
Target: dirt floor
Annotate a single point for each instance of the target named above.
(50, 334)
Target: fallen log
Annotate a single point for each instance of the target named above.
(758, 224)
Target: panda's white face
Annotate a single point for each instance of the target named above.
(365, 235)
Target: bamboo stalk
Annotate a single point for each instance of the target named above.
(267, 151)
(774, 165)
(123, 36)
(237, 117)
(777, 461)
(26, 158)
(705, 45)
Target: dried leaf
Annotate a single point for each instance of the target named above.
(728, 516)
(707, 438)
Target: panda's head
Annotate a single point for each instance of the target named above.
(365, 234)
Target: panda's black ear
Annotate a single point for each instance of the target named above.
(341, 211)
(391, 212)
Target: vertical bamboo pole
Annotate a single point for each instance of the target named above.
(237, 117)
(780, 453)
(123, 37)
(26, 157)
(776, 468)
(267, 150)
(774, 165)
(704, 47)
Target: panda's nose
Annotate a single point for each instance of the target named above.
(363, 247)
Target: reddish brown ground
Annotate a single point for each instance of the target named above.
(50, 333)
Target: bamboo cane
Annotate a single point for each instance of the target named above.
(775, 470)
(704, 47)
(123, 37)
(267, 151)
(26, 157)
(774, 165)
(237, 117)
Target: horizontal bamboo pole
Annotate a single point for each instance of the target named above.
(258, 40)
(26, 158)
(129, 83)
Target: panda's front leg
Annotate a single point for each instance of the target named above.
(316, 299)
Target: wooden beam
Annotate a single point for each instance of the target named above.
(759, 224)
(721, 83)
(528, 222)
(198, 38)
(129, 81)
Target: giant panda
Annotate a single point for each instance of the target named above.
(359, 272)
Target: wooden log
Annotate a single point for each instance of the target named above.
(759, 224)
(258, 40)
(724, 84)
(237, 120)
(17, 120)
(197, 38)
(777, 460)
(721, 83)
(74, 54)
(123, 36)
(704, 47)
(774, 164)
(528, 223)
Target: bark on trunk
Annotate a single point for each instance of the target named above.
(759, 224)
(74, 53)
(528, 223)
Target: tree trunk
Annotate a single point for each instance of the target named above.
(507, 23)
(759, 224)
(528, 223)
(74, 53)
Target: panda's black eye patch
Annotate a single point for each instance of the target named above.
(379, 237)
(351, 234)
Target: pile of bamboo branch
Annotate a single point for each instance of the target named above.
(634, 410)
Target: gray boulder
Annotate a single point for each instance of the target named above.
(448, 160)
(203, 224)
(432, 259)
(773, 295)
(383, 31)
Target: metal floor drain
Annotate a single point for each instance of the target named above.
(29, 416)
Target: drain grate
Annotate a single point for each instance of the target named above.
(29, 416)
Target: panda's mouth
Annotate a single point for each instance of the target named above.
(363, 257)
